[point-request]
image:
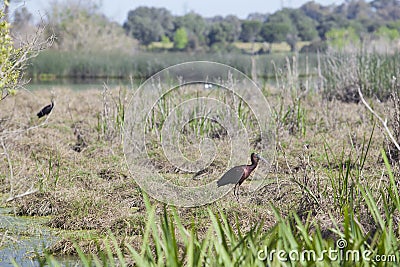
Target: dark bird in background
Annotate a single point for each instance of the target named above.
(238, 174)
(46, 110)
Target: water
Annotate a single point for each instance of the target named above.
(80, 84)
(22, 238)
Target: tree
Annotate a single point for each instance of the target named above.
(195, 27)
(276, 32)
(394, 25)
(278, 27)
(250, 30)
(12, 65)
(217, 34)
(341, 38)
(79, 26)
(261, 17)
(292, 40)
(165, 41)
(314, 11)
(233, 27)
(9, 72)
(191, 22)
(149, 24)
(354, 9)
(305, 26)
(389, 34)
(22, 16)
(224, 31)
(6, 9)
(180, 39)
(13, 60)
(387, 9)
(323, 16)
(290, 25)
(328, 23)
(23, 26)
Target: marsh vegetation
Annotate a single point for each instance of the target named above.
(333, 179)
(334, 175)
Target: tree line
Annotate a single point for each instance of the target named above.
(311, 22)
(79, 25)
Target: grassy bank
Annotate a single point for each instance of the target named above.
(337, 75)
(56, 64)
(329, 181)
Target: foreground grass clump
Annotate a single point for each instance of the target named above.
(168, 242)
(329, 181)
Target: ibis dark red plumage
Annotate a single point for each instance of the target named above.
(238, 174)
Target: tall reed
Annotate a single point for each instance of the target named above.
(60, 64)
(376, 74)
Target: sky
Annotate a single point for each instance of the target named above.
(117, 10)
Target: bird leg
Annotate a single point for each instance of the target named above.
(236, 191)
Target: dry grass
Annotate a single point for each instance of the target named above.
(92, 190)
(273, 47)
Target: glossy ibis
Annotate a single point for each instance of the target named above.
(238, 174)
(46, 110)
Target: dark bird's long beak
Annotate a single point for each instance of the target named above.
(263, 159)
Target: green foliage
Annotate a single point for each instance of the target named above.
(9, 66)
(275, 32)
(343, 37)
(196, 28)
(287, 26)
(165, 40)
(149, 24)
(387, 33)
(306, 23)
(394, 25)
(180, 39)
(217, 34)
(80, 26)
(289, 22)
(305, 26)
(77, 25)
(225, 31)
(232, 26)
(250, 30)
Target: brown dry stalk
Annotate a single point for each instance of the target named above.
(27, 193)
(9, 165)
(384, 122)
